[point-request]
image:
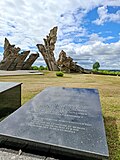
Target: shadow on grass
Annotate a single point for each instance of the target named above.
(112, 138)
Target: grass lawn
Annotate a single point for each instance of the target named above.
(109, 90)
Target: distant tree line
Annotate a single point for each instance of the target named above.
(96, 70)
(39, 68)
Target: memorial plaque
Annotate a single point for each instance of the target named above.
(10, 97)
(61, 121)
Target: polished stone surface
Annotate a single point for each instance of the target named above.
(4, 86)
(10, 97)
(61, 121)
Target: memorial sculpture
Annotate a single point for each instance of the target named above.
(64, 63)
(67, 64)
(47, 50)
(14, 60)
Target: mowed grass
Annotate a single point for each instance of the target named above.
(109, 90)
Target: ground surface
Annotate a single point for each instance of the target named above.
(6, 154)
(109, 90)
(19, 72)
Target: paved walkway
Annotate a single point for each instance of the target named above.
(7, 154)
(20, 72)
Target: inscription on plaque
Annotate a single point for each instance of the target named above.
(62, 123)
(65, 121)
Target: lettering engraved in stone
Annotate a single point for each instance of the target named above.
(57, 126)
(67, 118)
(61, 108)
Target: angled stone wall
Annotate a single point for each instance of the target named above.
(14, 60)
(67, 64)
(47, 50)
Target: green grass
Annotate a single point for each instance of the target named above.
(109, 90)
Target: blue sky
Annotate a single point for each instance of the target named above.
(88, 30)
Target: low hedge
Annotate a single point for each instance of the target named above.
(59, 74)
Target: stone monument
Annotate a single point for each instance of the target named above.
(13, 60)
(67, 64)
(63, 63)
(10, 97)
(47, 50)
(59, 121)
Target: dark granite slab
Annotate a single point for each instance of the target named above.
(60, 121)
(10, 97)
(4, 86)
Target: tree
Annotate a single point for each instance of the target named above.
(96, 66)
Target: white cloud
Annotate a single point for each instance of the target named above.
(102, 12)
(104, 16)
(40, 62)
(93, 38)
(107, 54)
(33, 19)
(26, 23)
(111, 2)
(1, 56)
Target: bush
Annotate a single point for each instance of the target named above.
(60, 74)
(34, 68)
(39, 68)
(46, 68)
(43, 68)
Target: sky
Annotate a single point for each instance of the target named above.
(88, 30)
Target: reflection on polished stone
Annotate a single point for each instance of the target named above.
(10, 97)
(61, 121)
